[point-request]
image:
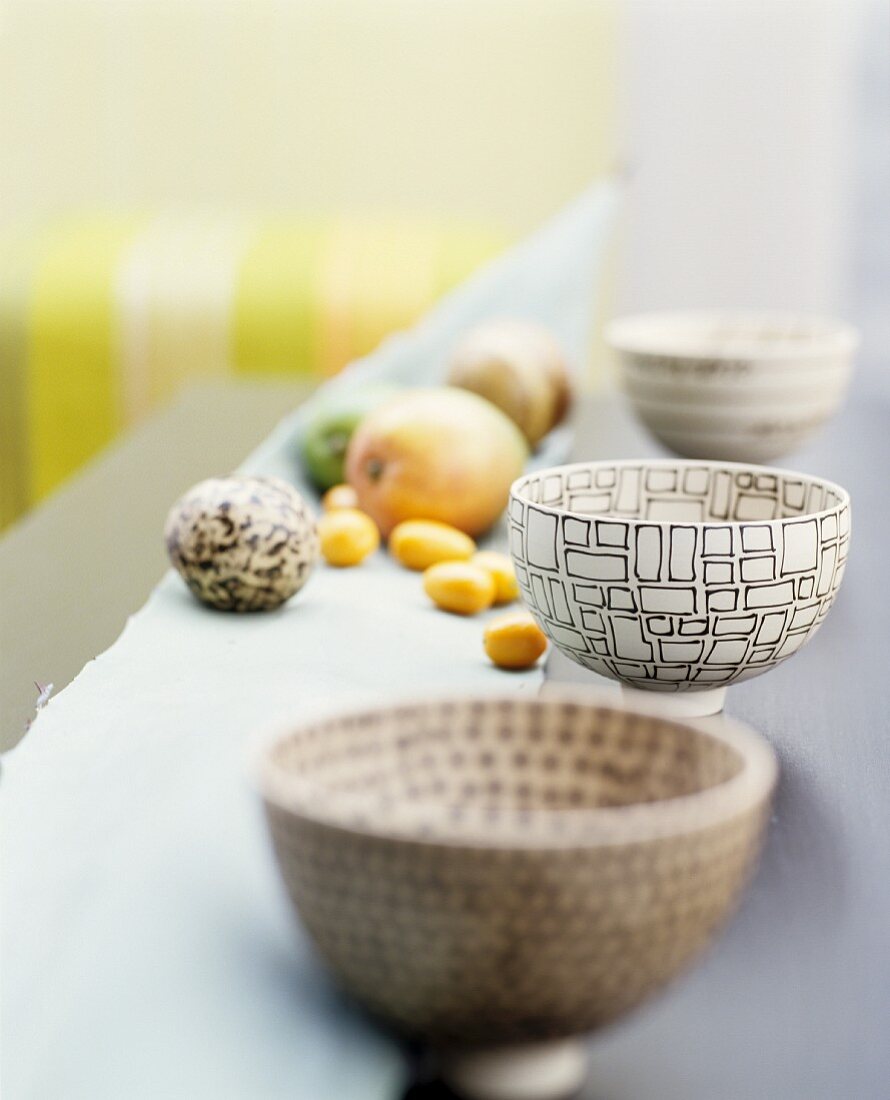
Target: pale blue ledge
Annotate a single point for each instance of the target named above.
(148, 951)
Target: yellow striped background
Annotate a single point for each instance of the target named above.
(102, 317)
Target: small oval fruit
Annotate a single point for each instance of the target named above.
(420, 543)
(506, 588)
(514, 641)
(459, 587)
(347, 536)
(339, 496)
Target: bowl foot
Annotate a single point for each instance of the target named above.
(681, 704)
(533, 1071)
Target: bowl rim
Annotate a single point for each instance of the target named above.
(604, 826)
(632, 334)
(680, 463)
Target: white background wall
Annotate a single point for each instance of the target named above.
(739, 118)
(869, 298)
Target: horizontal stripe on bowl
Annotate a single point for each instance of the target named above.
(742, 399)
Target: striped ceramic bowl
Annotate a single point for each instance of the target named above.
(744, 387)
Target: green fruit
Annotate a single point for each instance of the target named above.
(328, 433)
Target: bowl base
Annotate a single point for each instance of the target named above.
(533, 1071)
(681, 704)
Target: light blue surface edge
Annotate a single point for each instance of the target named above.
(148, 950)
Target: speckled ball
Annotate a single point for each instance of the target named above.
(242, 543)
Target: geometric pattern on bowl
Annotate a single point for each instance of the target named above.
(487, 871)
(678, 576)
(743, 387)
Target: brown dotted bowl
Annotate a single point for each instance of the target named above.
(504, 873)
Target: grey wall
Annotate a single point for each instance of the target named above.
(869, 292)
(758, 134)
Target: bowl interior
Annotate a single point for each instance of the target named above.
(492, 767)
(718, 335)
(685, 492)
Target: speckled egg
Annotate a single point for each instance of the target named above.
(242, 543)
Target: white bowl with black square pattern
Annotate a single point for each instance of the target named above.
(678, 577)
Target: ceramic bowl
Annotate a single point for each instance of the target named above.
(744, 387)
(499, 875)
(678, 577)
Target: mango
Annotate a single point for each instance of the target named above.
(443, 454)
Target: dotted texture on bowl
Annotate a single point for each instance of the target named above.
(557, 929)
(493, 772)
